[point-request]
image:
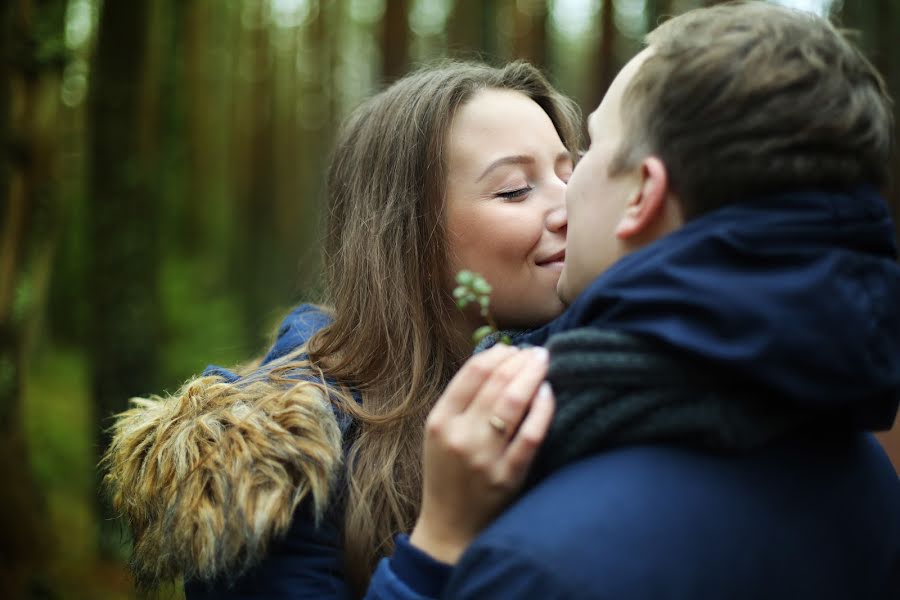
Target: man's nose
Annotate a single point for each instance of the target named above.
(557, 218)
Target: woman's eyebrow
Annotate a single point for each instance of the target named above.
(520, 159)
(517, 159)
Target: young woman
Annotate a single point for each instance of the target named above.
(292, 480)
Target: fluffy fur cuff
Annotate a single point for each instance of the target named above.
(206, 478)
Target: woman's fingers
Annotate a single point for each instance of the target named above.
(482, 436)
(469, 380)
(513, 466)
(504, 408)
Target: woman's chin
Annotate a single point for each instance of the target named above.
(533, 316)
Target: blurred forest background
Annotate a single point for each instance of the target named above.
(161, 175)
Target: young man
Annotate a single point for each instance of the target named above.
(716, 382)
(733, 334)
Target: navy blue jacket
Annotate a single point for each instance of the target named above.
(817, 519)
(799, 296)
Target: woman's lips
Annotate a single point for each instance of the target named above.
(554, 261)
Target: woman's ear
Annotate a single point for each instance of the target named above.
(645, 208)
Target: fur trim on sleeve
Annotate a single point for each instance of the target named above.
(208, 477)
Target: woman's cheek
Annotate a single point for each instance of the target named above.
(525, 233)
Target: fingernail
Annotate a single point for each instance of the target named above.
(540, 353)
(545, 389)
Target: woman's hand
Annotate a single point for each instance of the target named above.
(480, 439)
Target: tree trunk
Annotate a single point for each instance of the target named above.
(256, 258)
(488, 44)
(530, 41)
(195, 83)
(463, 28)
(606, 68)
(395, 40)
(122, 229)
(472, 31)
(32, 63)
(655, 12)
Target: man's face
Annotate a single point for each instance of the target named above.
(595, 201)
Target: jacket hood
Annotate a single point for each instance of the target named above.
(206, 478)
(798, 293)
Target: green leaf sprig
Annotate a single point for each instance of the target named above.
(474, 289)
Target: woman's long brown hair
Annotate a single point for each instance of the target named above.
(385, 270)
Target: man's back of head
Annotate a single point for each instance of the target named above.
(726, 104)
(747, 98)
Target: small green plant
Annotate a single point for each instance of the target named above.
(474, 289)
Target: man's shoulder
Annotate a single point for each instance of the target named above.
(667, 485)
(644, 519)
(609, 494)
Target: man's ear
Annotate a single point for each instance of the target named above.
(646, 205)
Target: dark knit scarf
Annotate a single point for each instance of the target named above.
(614, 389)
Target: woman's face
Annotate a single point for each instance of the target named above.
(506, 216)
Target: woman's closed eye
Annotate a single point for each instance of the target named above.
(516, 194)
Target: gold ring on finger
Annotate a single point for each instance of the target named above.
(498, 424)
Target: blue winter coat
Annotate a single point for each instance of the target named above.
(797, 295)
